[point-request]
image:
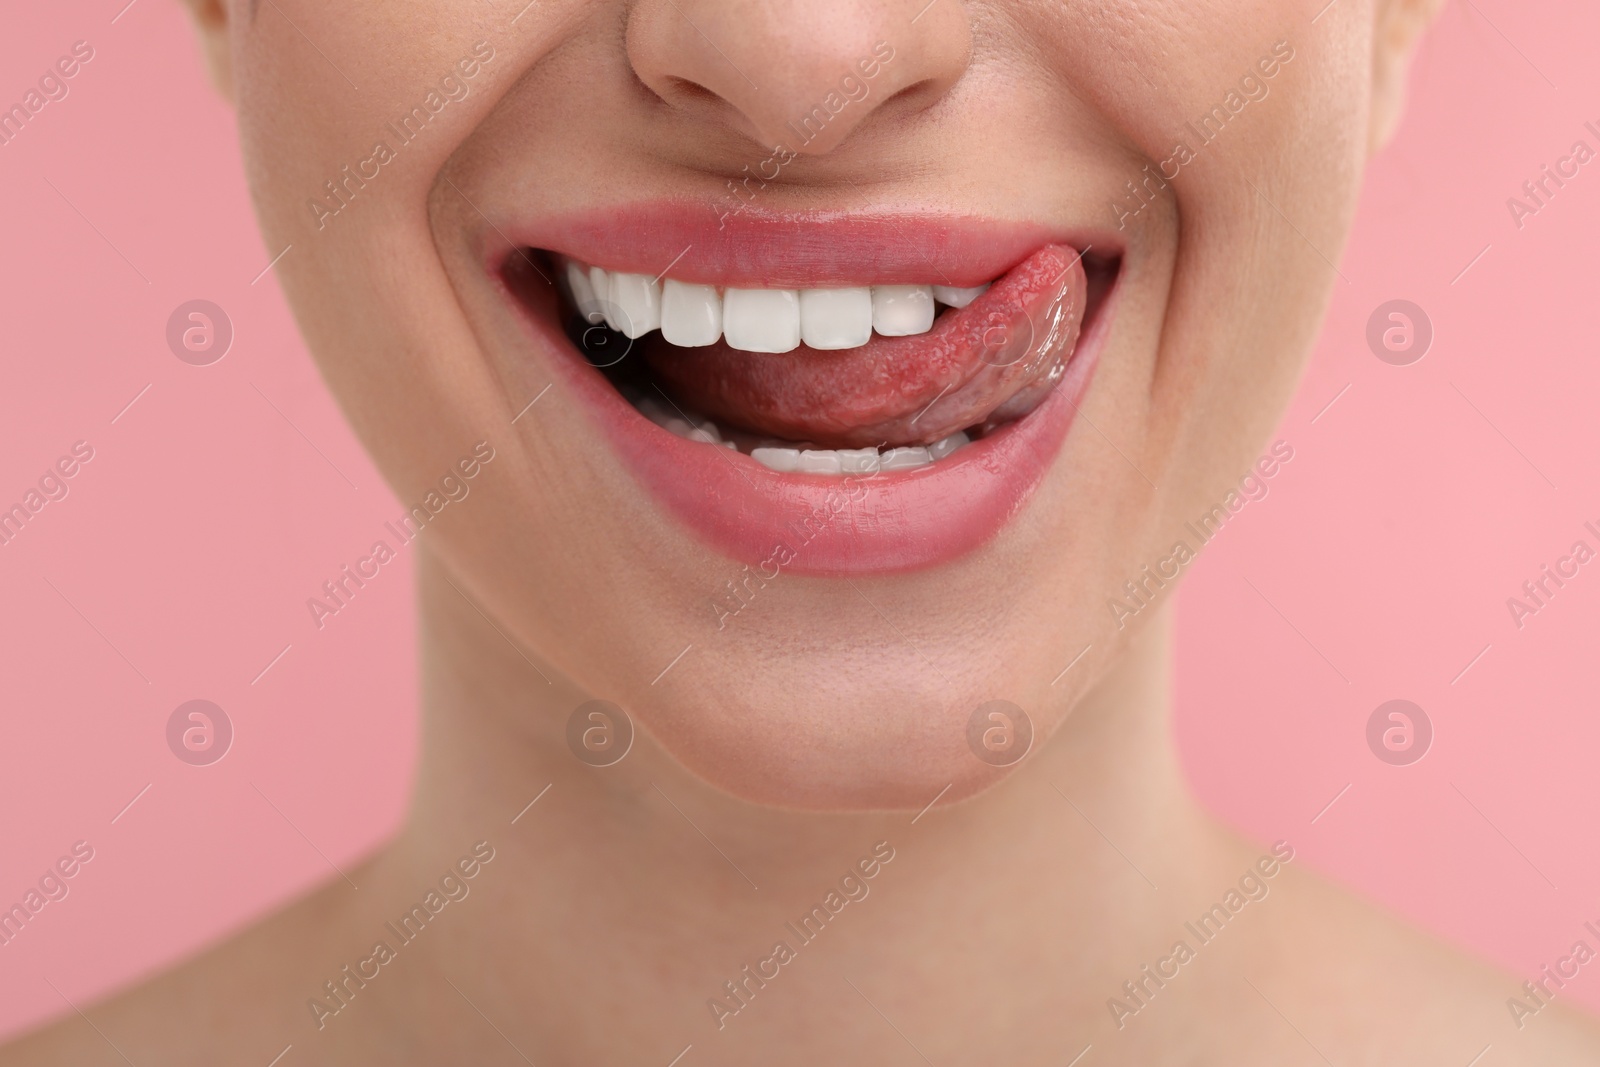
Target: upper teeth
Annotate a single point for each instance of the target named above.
(756, 320)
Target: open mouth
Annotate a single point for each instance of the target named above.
(749, 406)
(836, 380)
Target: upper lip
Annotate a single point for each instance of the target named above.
(713, 243)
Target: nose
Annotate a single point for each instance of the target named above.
(804, 74)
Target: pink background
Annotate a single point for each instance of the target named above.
(184, 553)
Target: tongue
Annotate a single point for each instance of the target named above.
(990, 362)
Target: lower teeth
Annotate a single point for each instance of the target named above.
(792, 457)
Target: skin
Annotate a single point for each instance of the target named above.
(1006, 919)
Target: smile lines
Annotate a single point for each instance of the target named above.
(520, 251)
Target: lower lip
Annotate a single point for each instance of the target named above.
(829, 526)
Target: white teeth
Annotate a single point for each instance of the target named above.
(950, 296)
(778, 457)
(941, 449)
(691, 315)
(859, 460)
(836, 318)
(821, 461)
(583, 294)
(902, 310)
(600, 282)
(638, 303)
(702, 430)
(853, 460)
(756, 320)
(783, 460)
(761, 320)
(901, 459)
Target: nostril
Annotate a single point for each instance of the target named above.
(686, 90)
(914, 97)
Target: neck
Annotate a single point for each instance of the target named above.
(638, 884)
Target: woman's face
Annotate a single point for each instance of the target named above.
(1153, 191)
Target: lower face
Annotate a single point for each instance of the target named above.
(803, 456)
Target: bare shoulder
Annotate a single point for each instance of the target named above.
(241, 1001)
(1380, 991)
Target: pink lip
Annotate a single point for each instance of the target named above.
(754, 248)
(810, 524)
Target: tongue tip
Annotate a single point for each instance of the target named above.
(988, 363)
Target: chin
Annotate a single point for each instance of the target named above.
(862, 734)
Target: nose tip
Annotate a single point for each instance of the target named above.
(803, 74)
